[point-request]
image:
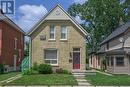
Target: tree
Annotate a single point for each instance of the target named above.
(103, 17)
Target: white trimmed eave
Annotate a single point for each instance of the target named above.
(71, 19)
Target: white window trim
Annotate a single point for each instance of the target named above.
(15, 43)
(54, 35)
(66, 34)
(53, 59)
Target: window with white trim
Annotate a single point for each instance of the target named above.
(50, 56)
(63, 33)
(119, 61)
(15, 43)
(52, 33)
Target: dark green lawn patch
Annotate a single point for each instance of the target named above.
(49, 79)
(104, 80)
(7, 75)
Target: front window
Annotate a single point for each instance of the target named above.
(120, 61)
(63, 33)
(52, 32)
(51, 57)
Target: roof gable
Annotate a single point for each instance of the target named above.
(58, 13)
(117, 32)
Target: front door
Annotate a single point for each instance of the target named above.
(76, 58)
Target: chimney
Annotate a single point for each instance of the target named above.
(121, 22)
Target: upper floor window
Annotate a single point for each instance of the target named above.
(52, 32)
(63, 33)
(15, 43)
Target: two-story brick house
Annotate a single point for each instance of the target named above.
(58, 40)
(117, 50)
(11, 43)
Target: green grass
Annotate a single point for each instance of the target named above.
(50, 79)
(7, 75)
(104, 80)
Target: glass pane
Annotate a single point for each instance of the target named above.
(119, 61)
(54, 62)
(50, 54)
(63, 32)
(63, 36)
(51, 36)
(47, 61)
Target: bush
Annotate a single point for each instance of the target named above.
(45, 69)
(1, 68)
(30, 72)
(27, 72)
(35, 66)
(61, 71)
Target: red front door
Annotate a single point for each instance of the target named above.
(76, 60)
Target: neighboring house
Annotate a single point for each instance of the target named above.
(58, 40)
(11, 44)
(117, 50)
(94, 61)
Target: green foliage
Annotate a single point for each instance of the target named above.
(61, 71)
(35, 66)
(45, 69)
(1, 68)
(26, 51)
(27, 72)
(30, 72)
(102, 16)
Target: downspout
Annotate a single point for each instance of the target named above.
(30, 52)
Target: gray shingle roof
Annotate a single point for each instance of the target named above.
(117, 32)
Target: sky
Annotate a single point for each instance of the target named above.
(29, 12)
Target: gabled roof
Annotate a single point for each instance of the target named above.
(68, 16)
(120, 30)
(9, 21)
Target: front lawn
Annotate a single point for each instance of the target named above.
(104, 80)
(49, 79)
(7, 75)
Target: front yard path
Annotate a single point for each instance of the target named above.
(8, 75)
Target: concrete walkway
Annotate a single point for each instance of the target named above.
(82, 82)
(104, 73)
(11, 79)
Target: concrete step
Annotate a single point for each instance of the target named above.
(81, 80)
(83, 84)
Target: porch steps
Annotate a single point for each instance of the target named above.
(80, 77)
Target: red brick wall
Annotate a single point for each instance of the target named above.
(9, 34)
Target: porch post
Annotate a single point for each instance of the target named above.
(114, 60)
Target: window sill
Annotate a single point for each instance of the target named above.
(51, 40)
(63, 39)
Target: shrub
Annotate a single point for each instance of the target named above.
(1, 68)
(27, 72)
(61, 71)
(45, 69)
(35, 66)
